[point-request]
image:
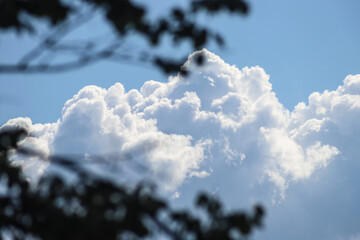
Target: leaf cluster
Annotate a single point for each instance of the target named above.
(125, 17)
(12, 13)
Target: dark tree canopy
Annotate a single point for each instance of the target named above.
(124, 16)
(96, 208)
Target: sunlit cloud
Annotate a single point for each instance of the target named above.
(183, 128)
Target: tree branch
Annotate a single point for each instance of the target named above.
(60, 31)
(83, 61)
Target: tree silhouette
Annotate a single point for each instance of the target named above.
(96, 208)
(124, 16)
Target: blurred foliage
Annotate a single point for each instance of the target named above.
(125, 16)
(96, 208)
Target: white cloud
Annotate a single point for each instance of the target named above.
(220, 114)
(355, 237)
(175, 195)
(201, 174)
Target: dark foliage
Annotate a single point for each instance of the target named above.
(95, 208)
(124, 16)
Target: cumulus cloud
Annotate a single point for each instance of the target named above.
(219, 116)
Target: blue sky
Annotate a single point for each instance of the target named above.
(304, 46)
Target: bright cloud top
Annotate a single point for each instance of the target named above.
(218, 116)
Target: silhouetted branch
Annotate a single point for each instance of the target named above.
(60, 31)
(164, 228)
(125, 17)
(83, 61)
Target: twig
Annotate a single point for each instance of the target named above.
(54, 37)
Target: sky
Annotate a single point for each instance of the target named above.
(272, 118)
